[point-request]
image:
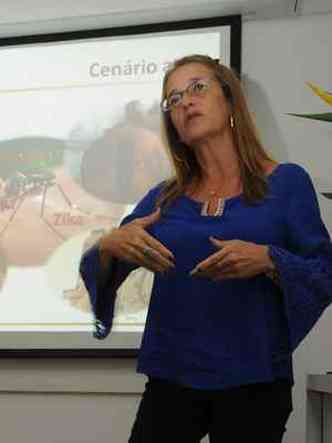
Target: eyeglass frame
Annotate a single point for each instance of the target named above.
(181, 93)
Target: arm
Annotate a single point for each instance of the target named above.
(107, 264)
(102, 285)
(305, 266)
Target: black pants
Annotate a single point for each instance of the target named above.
(253, 413)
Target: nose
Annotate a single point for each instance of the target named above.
(187, 100)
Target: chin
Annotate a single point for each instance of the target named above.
(196, 138)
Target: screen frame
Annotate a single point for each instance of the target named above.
(235, 24)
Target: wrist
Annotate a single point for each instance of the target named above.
(272, 271)
(105, 251)
(269, 265)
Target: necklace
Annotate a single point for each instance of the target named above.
(209, 204)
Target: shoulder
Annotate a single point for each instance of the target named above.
(292, 174)
(146, 205)
(292, 183)
(154, 192)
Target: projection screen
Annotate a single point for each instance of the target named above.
(80, 145)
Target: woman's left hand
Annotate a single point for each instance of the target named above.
(234, 259)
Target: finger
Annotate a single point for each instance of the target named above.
(233, 271)
(199, 273)
(212, 260)
(205, 266)
(141, 259)
(162, 261)
(219, 243)
(151, 259)
(227, 262)
(149, 219)
(152, 265)
(152, 256)
(157, 246)
(211, 272)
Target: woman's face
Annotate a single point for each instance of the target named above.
(198, 117)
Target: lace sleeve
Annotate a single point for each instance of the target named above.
(304, 265)
(90, 270)
(101, 284)
(102, 287)
(306, 283)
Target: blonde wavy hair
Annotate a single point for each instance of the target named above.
(250, 151)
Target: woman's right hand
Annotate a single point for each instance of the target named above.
(133, 244)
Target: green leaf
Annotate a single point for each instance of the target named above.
(326, 117)
(327, 195)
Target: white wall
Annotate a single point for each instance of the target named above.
(278, 58)
(68, 400)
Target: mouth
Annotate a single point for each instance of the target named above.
(193, 116)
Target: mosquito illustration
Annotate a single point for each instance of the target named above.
(26, 170)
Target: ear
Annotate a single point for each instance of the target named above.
(226, 89)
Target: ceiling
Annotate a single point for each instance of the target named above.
(24, 17)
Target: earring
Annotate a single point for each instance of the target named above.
(231, 119)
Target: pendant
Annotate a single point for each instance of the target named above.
(219, 210)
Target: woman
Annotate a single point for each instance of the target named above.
(218, 342)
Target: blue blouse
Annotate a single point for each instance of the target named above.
(215, 335)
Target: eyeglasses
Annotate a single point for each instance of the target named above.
(196, 88)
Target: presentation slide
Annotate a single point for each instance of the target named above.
(79, 146)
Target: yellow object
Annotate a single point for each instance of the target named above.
(326, 96)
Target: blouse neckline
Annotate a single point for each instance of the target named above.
(234, 197)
